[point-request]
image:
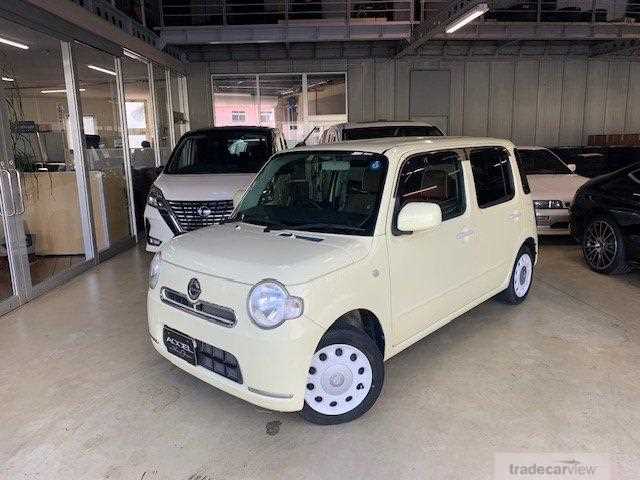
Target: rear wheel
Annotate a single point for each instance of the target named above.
(603, 247)
(345, 377)
(521, 278)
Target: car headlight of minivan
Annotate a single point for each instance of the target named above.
(270, 305)
(154, 270)
(548, 204)
(155, 198)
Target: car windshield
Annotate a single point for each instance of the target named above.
(541, 162)
(221, 151)
(321, 191)
(363, 133)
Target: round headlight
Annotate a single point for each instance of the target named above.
(154, 270)
(270, 304)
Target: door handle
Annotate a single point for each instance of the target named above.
(464, 233)
(22, 207)
(515, 215)
(8, 175)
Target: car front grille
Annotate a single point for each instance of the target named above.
(192, 215)
(209, 311)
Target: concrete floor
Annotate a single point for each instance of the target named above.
(83, 395)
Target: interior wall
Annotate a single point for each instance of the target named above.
(546, 100)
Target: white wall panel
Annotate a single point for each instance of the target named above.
(633, 104)
(525, 103)
(549, 102)
(501, 100)
(617, 89)
(355, 92)
(573, 100)
(368, 93)
(476, 99)
(595, 99)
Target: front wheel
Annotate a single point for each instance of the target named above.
(603, 247)
(345, 377)
(521, 278)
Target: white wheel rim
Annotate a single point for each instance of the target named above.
(339, 379)
(522, 275)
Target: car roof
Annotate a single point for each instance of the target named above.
(406, 144)
(381, 123)
(530, 147)
(249, 128)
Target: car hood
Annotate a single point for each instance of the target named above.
(202, 186)
(555, 187)
(245, 253)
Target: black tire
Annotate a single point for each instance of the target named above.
(352, 336)
(603, 246)
(514, 293)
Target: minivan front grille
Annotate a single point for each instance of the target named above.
(192, 215)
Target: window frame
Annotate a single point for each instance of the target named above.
(460, 152)
(504, 199)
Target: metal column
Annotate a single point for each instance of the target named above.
(79, 147)
(172, 127)
(154, 114)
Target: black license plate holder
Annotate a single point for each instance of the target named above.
(180, 345)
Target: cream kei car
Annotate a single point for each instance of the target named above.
(336, 258)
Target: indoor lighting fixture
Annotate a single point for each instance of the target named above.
(131, 54)
(7, 79)
(468, 17)
(62, 90)
(14, 44)
(103, 70)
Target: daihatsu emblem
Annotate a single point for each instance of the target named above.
(204, 211)
(193, 289)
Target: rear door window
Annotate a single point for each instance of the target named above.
(492, 175)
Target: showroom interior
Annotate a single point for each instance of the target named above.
(96, 95)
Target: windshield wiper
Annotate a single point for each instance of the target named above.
(311, 226)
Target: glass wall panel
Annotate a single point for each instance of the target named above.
(140, 121)
(35, 95)
(103, 135)
(326, 101)
(141, 129)
(162, 112)
(235, 100)
(177, 102)
(326, 94)
(281, 105)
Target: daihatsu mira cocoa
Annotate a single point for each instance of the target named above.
(336, 258)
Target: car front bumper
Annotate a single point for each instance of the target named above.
(273, 363)
(552, 221)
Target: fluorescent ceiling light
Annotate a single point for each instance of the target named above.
(131, 54)
(468, 17)
(14, 44)
(103, 70)
(61, 90)
(7, 79)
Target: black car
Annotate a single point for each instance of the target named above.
(605, 219)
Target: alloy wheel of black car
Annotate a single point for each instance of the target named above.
(603, 247)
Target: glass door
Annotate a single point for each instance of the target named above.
(106, 153)
(43, 226)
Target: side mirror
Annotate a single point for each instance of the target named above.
(237, 197)
(418, 216)
(572, 167)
